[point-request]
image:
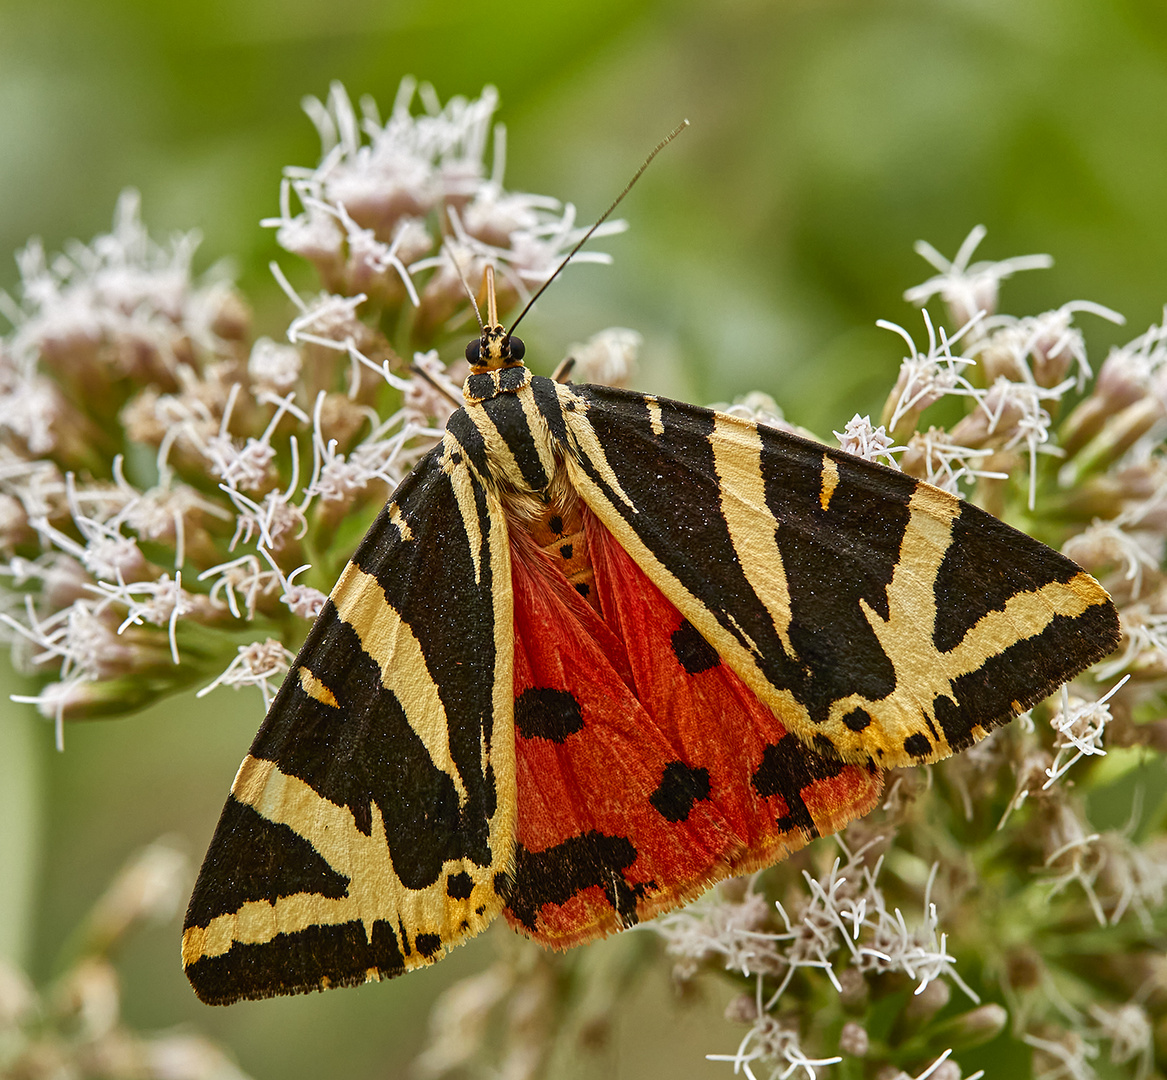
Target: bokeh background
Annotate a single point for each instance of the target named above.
(827, 136)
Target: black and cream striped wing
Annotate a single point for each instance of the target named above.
(881, 618)
(369, 824)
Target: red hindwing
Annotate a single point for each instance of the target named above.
(646, 770)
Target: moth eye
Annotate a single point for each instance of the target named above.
(516, 348)
(473, 350)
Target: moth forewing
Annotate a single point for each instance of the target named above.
(372, 825)
(883, 619)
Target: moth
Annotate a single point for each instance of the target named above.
(600, 650)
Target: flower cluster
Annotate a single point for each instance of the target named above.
(175, 497)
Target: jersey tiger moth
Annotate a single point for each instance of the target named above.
(599, 651)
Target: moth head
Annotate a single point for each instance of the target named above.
(494, 349)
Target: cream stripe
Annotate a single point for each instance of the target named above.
(314, 688)
(742, 660)
(468, 509)
(539, 433)
(360, 601)
(502, 462)
(584, 437)
(1025, 616)
(400, 522)
(737, 458)
(655, 419)
(923, 672)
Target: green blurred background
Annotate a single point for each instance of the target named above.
(827, 136)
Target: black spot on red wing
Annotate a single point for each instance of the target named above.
(555, 875)
(581, 587)
(459, 885)
(692, 651)
(681, 786)
(427, 944)
(543, 713)
(566, 551)
(857, 719)
(293, 963)
(918, 745)
(787, 767)
(555, 524)
(503, 884)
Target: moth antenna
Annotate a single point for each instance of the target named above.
(440, 385)
(563, 372)
(603, 217)
(468, 290)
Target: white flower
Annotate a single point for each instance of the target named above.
(1070, 1057)
(1128, 1029)
(1079, 726)
(969, 290)
(302, 600)
(716, 926)
(106, 553)
(776, 1042)
(1015, 413)
(608, 357)
(1042, 348)
(29, 406)
(431, 392)
(256, 664)
(1131, 370)
(160, 602)
(1073, 854)
(379, 456)
(1110, 542)
(274, 365)
(243, 576)
(1144, 649)
(758, 407)
(947, 463)
(926, 377)
(861, 438)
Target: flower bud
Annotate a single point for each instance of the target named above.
(1116, 437)
(853, 1040)
(974, 1027)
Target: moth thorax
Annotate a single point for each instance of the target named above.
(494, 349)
